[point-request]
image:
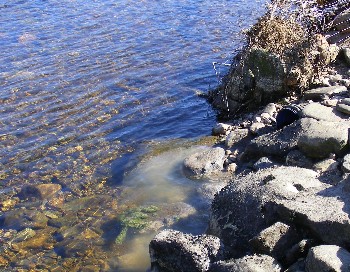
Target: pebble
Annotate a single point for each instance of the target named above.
(232, 167)
(346, 164)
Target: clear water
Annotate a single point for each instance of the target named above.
(86, 84)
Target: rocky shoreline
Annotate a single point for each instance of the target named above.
(286, 207)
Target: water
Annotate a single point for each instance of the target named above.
(85, 87)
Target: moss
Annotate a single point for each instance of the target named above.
(121, 237)
(138, 218)
(149, 209)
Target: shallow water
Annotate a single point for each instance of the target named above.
(85, 88)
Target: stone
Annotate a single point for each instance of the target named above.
(298, 251)
(318, 139)
(346, 164)
(274, 144)
(270, 109)
(244, 198)
(297, 158)
(345, 53)
(256, 128)
(235, 136)
(299, 266)
(40, 191)
(317, 93)
(21, 219)
(172, 250)
(342, 21)
(24, 235)
(274, 240)
(326, 165)
(220, 129)
(232, 167)
(343, 107)
(320, 112)
(263, 163)
(330, 102)
(251, 263)
(328, 258)
(206, 162)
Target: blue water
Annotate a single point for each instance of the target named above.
(83, 83)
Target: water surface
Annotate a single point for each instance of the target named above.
(85, 85)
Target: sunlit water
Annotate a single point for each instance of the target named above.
(85, 85)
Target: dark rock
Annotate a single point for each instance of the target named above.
(172, 250)
(244, 200)
(318, 139)
(276, 144)
(220, 129)
(274, 240)
(317, 93)
(299, 266)
(342, 21)
(205, 162)
(297, 158)
(345, 53)
(298, 251)
(287, 116)
(328, 258)
(235, 136)
(40, 191)
(22, 219)
(344, 106)
(253, 263)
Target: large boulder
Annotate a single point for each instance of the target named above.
(205, 162)
(172, 250)
(239, 212)
(318, 139)
(328, 258)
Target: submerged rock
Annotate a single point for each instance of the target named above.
(172, 250)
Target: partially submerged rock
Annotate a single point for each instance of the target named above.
(172, 250)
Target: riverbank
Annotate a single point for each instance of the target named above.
(286, 207)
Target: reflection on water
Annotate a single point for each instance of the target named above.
(82, 84)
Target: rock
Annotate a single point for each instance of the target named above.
(21, 219)
(275, 240)
(345, 53)
(275, 144)
(297, 158)
(318, 139)
(344, 106)
(259, 79)
(328, 258)
(220, 129)
(244, 198)
(235, 136)
(205, 162)
(257, 128)
(320, 112)
(40, 191)
(24, 235)
(326, 165)
(263, 163)
(298, 251)
(270, 109)
(232, 167)
(253, 263)
(330, 102)
(317, 93)
(324, 212)
(172, 250)
(299, 266)
(346, 164)
(287, 115)
(342, 21)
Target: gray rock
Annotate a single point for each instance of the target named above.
(172, 250)
(205, 162)
(343, 107)
(328, 258)
(275, 240)
(270, 109)
(318, 93)
(243, 201)
(346, 164)
(221, 129)
(275, 144)
(320, 112)
(253, 263)
(24, 235)
(235, 136)
(40, 191)
(263, 163)
(326, 165)
(342, 21)
(318, 139)
(297, 158)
